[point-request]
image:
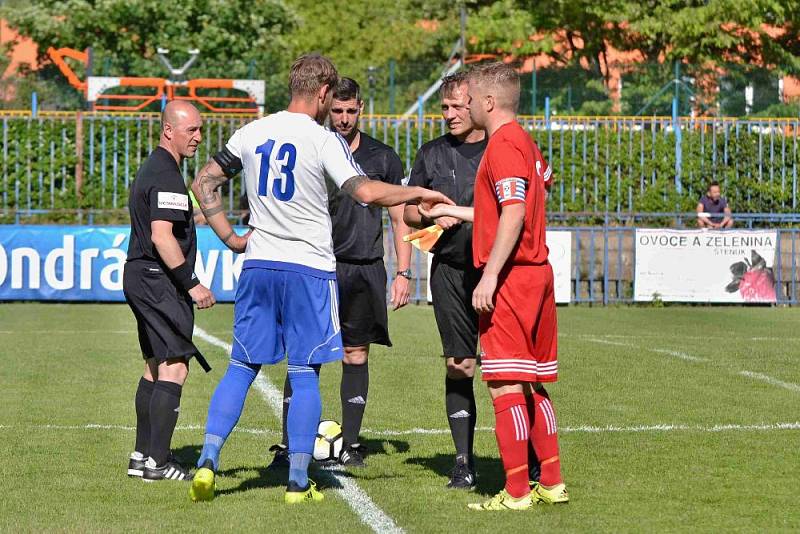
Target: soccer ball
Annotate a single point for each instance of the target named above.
(329, 442)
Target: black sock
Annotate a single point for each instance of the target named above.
(353, 392)
(287, 397)
(164, 407)
(142, 402)
(460, 404)
(534, 467)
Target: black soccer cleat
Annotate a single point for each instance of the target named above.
(136, 465)
(169, 471)
(281, 458)
(352, 456)
(462, 476)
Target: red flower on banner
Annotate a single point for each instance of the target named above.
(753, 279)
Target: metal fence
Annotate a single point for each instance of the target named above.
(603, 260)
(56, 165)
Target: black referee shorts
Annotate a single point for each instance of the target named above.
(164, 314)
(451, 288)
(362, 303)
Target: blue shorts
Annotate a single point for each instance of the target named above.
(286, 310)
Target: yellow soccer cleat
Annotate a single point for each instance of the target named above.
(556, 495)
(203, 484)
(503, 501)
(296, 495)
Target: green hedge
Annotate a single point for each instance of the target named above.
(623, 169)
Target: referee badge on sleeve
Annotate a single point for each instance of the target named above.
(173, 201)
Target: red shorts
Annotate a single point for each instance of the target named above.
(519, 340)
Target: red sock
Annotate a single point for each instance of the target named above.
(544, 436)
(512, 431)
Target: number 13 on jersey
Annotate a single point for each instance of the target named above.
(283, 183)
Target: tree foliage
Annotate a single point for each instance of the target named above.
(237, 38)
(259, 38)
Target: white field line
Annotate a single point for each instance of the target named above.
(689, 358)
(608, 342)
(770, 380)
(358, 500)
(582, 429)
(661, 336)
(679, 354)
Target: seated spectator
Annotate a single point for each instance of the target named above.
(713, 210)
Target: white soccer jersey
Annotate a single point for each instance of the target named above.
(285, 158)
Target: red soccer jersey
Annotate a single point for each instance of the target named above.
(512, 171)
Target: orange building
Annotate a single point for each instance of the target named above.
(23, 52)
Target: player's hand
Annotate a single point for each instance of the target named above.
(428, 199)
(202, 296)
(447, 222)
(483, 296)
(400, 292)
(238, 243)
(439, 214)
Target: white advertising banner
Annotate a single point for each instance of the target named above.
(560, 245)
(705, 265)
(559, 242)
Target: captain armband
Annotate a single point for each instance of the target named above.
(231, 165)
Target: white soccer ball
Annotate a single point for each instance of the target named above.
(329, 442)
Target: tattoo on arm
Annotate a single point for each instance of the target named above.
(352, 184)
(208, 212)
(210, 200)
(227, 237)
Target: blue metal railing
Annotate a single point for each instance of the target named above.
(601, 164)
(603, 262)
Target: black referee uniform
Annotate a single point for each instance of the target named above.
(163, 309)
(358, 247)
(449, 166)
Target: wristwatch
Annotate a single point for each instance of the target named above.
(406, 273)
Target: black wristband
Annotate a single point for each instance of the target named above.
(185, 276)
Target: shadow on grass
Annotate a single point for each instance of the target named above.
(490, 470)
(384, 446)
(187, 455)
(324, 474)
(265, 478)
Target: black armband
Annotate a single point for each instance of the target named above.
(231, 165)
(184, 275)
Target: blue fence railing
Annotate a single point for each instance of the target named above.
(603, 257)
(601, 164)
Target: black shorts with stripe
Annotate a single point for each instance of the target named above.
(164, 314)
(362, 303)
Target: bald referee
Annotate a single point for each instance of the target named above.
(159, 285)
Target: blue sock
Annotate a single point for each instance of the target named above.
(302, 420)
(298, 468)
(226, 408)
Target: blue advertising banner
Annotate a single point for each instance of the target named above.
(69, 263)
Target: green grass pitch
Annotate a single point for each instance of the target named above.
(669, 421)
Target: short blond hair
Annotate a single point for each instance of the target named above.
(451, 82)
(309, 73)
(501, 79)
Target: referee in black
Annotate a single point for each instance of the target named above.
(449, 164)
(360, 271)
(159, 285)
